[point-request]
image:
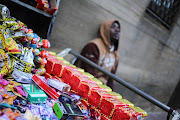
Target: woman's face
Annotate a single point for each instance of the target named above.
(114, 32)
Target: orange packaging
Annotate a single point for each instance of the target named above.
(96, 93)
(11, 115)
(67, 72)
(50, 64)
(77, 79)
(103, 117)
(47, 75)
(109, 105)
(139, 113)
(57, 69)
(128, 114)
(83, 89)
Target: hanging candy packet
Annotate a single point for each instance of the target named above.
(8, 43)
(4, 12)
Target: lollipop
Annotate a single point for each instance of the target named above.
(46, 44)
(44, 53)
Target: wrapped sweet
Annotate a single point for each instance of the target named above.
(50, 64)
(4, 12)
(63, 87)
(109, 105)
(46, 44)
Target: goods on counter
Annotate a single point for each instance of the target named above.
(37, 84)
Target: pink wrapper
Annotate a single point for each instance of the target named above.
(4, 82)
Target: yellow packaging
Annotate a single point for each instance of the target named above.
(127, 102)
(87, 74)
(5, 68)
(8, 43)
(108, 89)
(98, 81)
(139, 110)
(20, 65)
(116, 94)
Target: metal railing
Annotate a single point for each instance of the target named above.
(164, 107)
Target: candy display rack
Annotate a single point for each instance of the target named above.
(40, 21)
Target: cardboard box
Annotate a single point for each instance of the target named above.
(34, 94)
(64, 110)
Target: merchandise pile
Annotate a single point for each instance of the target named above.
(36, 84)
(48, 6)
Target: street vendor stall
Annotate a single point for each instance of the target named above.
(37, 84)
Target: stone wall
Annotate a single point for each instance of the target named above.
(149, 53)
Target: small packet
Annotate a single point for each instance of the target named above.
(69, 97)
(29, 116)
(4, 82)
(10, 113)
(63, 87)
(9, 100)
(35, 109)
(22, 77)
(19, 90)
(1, 98)
(4, 12)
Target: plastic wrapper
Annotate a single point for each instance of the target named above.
(9, 100)
(44, 5)
(1, 98)
(45, 87)
(36, 52)
(63, 87)
(4, 63)
(109, 105)
(44, 53)
(4, 117)
(69, 97)
(22, 77)
(8, 43)
(46, 44)
(11, 115)
(19, 90)
(85, 106)
(28, 56)
(6, 105)
(94, 113)
(141, 114)
(20, 65)
(35, 39)
(4, 12)
(4, 82)
(29, 116)
(40, 71)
